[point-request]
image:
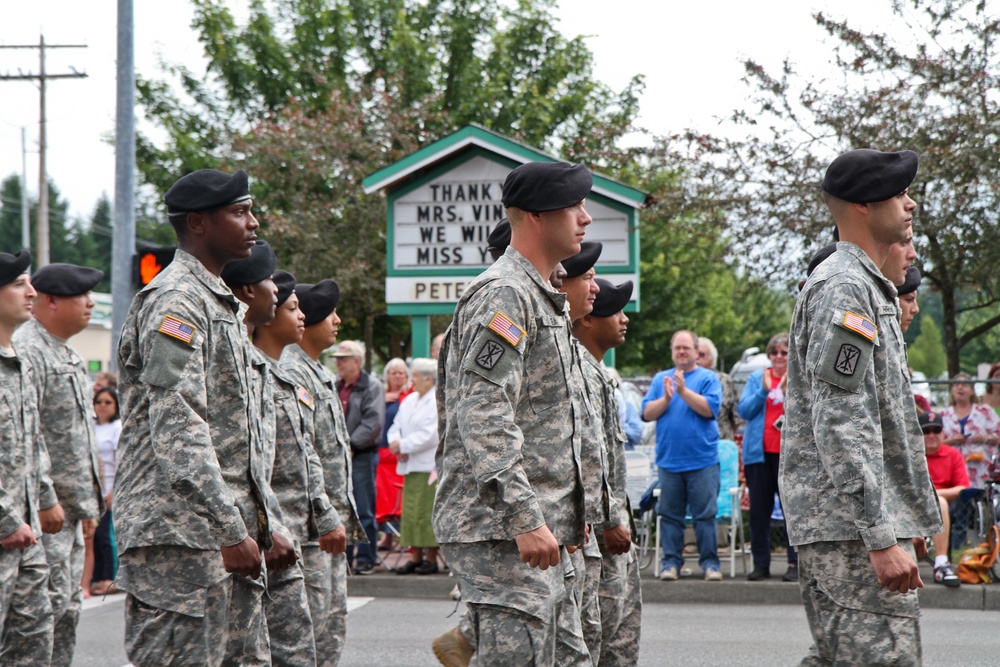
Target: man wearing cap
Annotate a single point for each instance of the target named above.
(510, 497)
(950, 477)
(325, 427)
(62, 310)
(190, 514)
(25, 610)
(363, 401)
(853, 475)
(618, 588)
(286, 605)
(684, 402)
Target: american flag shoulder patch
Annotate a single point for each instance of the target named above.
(506, 329)
(304, 396)
(860, 325)
(178, 328)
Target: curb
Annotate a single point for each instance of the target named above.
(691, 590)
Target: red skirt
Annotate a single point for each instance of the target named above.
(388, 488)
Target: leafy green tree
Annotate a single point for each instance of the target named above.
(927, 353)
(933, 92)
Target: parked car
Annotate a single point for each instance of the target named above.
(753, 359)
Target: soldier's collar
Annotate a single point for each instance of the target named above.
(556, 297)
(212, 282)
(884, 283)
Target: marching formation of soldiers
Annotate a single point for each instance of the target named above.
(233, 496)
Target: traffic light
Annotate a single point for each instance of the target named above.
(148, 263)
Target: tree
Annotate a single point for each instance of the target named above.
(313, 95)
(927, 354)
(933, 93)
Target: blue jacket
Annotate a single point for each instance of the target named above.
(751, 408)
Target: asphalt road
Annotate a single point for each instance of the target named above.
(393, 632)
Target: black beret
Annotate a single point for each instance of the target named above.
(820, 257)
(583, 261)
(317, 301)
(546, 186)
(911, 283)
(499, 238)
(864, 175)
(11, 266)
(930, 419)
(611, 299)
(285, 283)
(255, 268)
(206, 189)
(65, 279)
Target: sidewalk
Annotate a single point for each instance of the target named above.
(693, 589)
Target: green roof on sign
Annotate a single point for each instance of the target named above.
(476, 135)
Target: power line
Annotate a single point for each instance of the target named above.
(42, 77)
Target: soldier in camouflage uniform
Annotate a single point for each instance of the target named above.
(853, 475)
(190, 514)
(618, 590)
(324, 426)
(286, 604)
(65, 404)
(25, 609)
(581, 290)
(510, 497)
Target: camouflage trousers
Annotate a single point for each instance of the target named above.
(620, 599)
(289, 625)
(184, 609)
(65, 554)
(25, 609)
(514, 611)
(326, 589)
(854, 620)
(586, 578)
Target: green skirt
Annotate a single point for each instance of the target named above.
(418, 501)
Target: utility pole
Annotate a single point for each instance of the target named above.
(43, 180)
(123, 242)
(25, 220)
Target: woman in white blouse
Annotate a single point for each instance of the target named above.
(413, 438)
(108, 428)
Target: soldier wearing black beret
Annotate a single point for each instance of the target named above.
(508, 351)
(250, 280)
(318, 301)
(850, 433)
(66, 279)
(907, 293)
(11, 266)
(285, 282)
(579, 285)
(187, 376)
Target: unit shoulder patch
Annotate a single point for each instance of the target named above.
(489, 356)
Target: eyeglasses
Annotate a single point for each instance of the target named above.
(933, 429)
(104, 402)
(780, 353)
(702, 355)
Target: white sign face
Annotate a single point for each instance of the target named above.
(449, 289)
(444, 223)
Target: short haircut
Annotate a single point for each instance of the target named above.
(424, 366)
(776, 340)
(694, 337)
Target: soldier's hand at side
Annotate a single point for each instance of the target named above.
(243, 558)
(895, 569)
(920, 546)
(334, 542)
(538, 548)
(52, 519)
(22, 538)
(618, 540)
(281, 555)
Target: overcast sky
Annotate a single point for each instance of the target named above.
(690, 54)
